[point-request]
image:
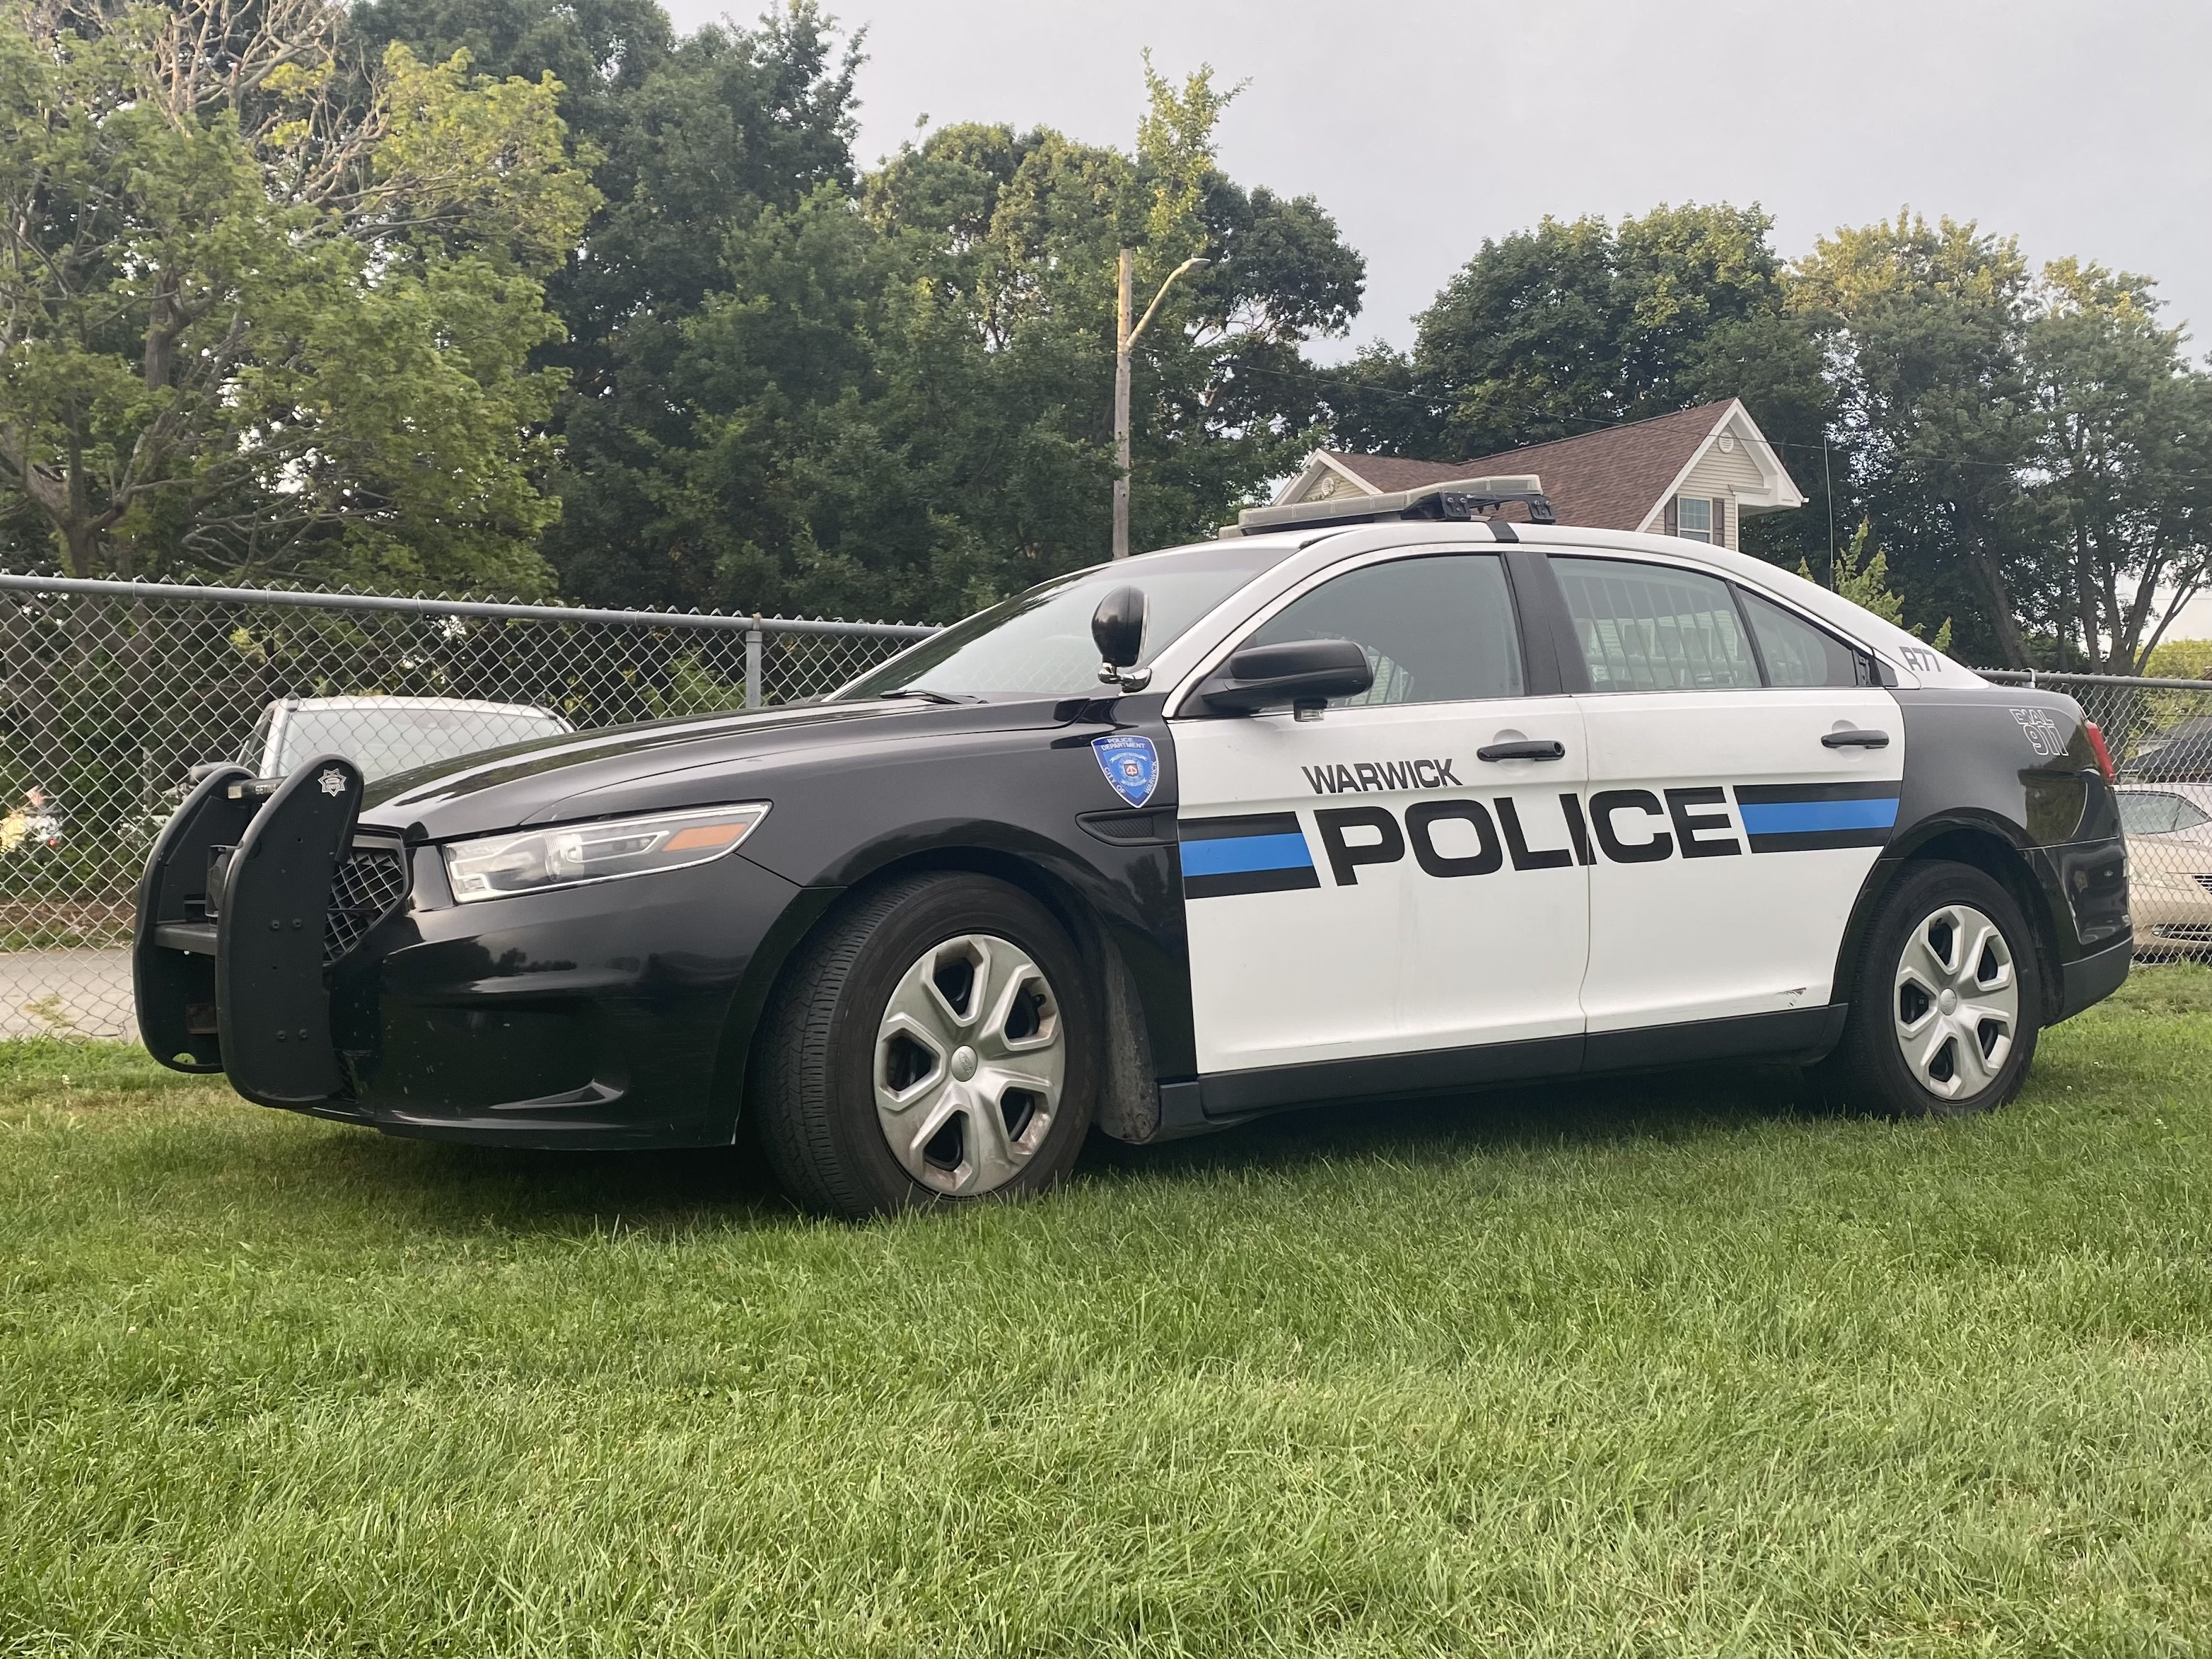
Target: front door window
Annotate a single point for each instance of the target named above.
(1435, 630)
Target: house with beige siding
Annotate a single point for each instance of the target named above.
(1697, 473)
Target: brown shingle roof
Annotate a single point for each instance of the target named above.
(1606, 480)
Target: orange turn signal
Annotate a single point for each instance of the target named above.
(700, 836)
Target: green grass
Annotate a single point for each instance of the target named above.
(1661, 1367)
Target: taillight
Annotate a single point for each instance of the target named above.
(2104, 755)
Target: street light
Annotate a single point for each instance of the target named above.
(1125, 342)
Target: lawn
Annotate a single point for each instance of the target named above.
(1654, 1367)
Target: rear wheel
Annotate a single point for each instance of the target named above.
(1948, 1000)
(931, 1043)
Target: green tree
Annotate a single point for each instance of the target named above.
(2179, 659)
(726, 126)
(1549, 332)
(891, 396)
(2124, 460)
(1861, 575)
(264, 310)
(1573, 326)
(1923, 329)
(598, 50)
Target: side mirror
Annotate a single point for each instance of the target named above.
(1303, 673)
(1117, 628)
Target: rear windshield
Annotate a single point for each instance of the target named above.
(2154, 812)
(1038, 644)
(385, 740)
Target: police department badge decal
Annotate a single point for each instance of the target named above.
(332, 781)
(1131, 764)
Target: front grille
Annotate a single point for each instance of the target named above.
(2205, 882)
(368, 887)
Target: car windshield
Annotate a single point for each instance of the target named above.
(384, 738)
(1038, 644)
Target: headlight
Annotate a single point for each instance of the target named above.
(569, 854)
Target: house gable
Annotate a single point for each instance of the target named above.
(1326, 478)
(1735, 464)
(1620, 477)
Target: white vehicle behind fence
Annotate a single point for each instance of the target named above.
(387, 735)
(2169, 832)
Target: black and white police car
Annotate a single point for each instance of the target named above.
(1411, 801)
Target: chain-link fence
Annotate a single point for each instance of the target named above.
(114, 691)
(2159, 734)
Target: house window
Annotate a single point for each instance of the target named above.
(1693, 517)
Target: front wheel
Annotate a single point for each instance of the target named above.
(1946, 1001)
(932, 1042)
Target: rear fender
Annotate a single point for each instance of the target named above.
(1983, 840)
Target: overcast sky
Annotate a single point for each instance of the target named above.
(1425, 126)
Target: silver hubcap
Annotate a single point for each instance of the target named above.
(970, 1059)
(1956, 1002)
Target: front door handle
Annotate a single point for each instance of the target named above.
(1856, 740)
(1530, 749)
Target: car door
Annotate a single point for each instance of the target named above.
(1744, 776)
(1365, 882)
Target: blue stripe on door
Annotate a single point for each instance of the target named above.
(1243, 853)
(1798, 817)
(1238, 854)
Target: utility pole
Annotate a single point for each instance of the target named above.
(1125, 339)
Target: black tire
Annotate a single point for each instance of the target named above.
(815, 1078)
(1876, 1068)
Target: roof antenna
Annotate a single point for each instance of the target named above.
(1828, 488)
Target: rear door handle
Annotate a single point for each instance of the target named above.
(1856, 740)
(1530, 749)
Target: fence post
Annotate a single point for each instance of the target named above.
(753, 638)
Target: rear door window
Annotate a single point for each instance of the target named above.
(1655, 626)
(1798, 654)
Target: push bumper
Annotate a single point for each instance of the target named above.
(233, 929)
(611, 1015)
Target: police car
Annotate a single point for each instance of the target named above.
(1435, 795)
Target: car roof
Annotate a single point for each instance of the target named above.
(1916, 662)
(443, 705)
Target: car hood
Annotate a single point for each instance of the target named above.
(666, 765)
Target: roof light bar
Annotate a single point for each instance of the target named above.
(1453, 502)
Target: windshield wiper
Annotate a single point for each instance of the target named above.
(924, 692)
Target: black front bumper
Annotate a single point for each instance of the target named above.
(617, 1014)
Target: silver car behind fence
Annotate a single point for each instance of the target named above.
(386, 736)
(2159, 733)
(115, 691)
